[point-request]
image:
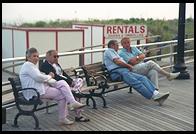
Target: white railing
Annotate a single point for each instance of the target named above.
(172, 43)
(94, 51)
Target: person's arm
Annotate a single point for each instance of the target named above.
(112, 55)
(122, 64)
(139, 56)
(46, 68)
(137, 59)
(36, 74)
(64, 76)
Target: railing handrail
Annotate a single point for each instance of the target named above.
(91, 51)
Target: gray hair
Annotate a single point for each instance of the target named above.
(30, 51)
(111, 42)
(49, 52)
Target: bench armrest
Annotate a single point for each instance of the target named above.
(78, 72)
(35, 99)
(100, 75)
(103, 82)
(37, 93)
(91, 80)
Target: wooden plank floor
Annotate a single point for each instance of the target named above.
(125, 112)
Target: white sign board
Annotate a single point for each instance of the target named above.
(120, 31)
(93, 36)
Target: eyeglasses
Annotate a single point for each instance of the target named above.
(56, 56)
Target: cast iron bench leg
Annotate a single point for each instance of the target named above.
(15, 120)
(94, 102)
(87, 101)
(104, 102)
(36, 122)
(130, 90)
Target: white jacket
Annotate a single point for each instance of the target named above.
(31, 77)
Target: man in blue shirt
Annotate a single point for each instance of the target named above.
(134, 57)
(119, 68)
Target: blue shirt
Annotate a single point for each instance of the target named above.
(109, 55)
(128, 55)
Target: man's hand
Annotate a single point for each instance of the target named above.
(130, 67)
(133, 61)
(51, 74)
(72, 84)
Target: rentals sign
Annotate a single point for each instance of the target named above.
(120, 31)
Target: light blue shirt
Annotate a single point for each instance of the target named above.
(109, 55)
(128, 55)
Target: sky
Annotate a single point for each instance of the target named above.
(31, 12)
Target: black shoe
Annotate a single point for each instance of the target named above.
(81, 119)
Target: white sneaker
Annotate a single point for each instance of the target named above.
(76, 105)
(161, 97)
(173, 76)
(66, 122)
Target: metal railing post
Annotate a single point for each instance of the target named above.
(171, 56)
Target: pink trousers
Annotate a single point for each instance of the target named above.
(61, 93)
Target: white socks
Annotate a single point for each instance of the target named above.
(155, 93)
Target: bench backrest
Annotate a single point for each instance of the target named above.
(16, 86)
(94, 69)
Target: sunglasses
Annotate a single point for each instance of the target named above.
(56, 56)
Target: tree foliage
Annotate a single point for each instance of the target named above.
(168, 29)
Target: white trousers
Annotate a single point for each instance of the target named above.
(150, 69)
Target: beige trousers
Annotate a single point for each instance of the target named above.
(150, 69)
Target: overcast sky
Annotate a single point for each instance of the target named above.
(30, 12)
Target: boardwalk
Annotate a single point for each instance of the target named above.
(126, 112)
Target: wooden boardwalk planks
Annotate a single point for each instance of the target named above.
(125, 112)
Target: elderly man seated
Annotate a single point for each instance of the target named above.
(51, 65)
(118, 68)
(134, 57)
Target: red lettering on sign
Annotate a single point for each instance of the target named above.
(114, 29)
(126, 29)
(142, 29)
(131, 30)
(109, 30)
(120, 29)
(136, 30)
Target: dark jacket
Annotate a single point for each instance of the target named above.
(47, 68)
